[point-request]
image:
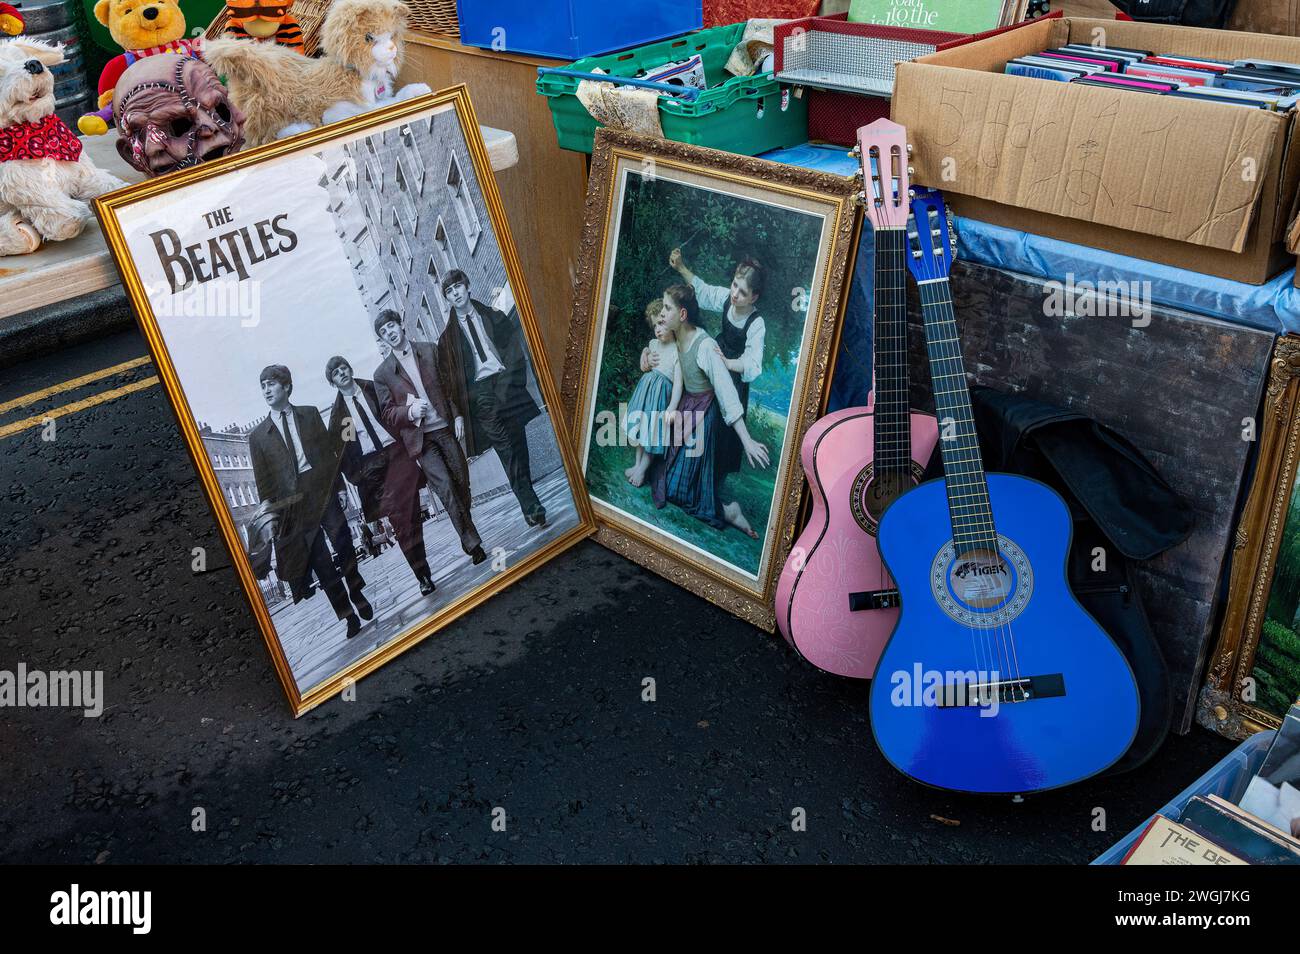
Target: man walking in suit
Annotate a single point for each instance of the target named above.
(376, 462)
(484, 352)
(420, 405)
(296, 468)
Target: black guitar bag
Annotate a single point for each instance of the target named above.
(1194, 13)
(1119, 504)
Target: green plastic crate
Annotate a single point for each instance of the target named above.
(744, 114)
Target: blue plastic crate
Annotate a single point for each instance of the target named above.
(572, 29)
(1228, 779)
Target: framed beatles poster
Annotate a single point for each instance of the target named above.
(707, 308)
(1253, 675)
(342, 328)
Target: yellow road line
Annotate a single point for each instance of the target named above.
(8, 430)
(73, 383)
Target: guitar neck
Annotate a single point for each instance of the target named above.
(893, 425)
(963, 466)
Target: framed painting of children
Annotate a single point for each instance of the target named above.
(708, 304)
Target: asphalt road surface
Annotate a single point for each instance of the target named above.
(531, 704)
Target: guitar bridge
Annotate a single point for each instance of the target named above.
(874, 600)
(1026, 689)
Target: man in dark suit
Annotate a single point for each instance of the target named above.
(484, 352)
(375, 461)
(426, 412)
(296, 468)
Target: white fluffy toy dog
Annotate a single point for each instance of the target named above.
(282, 92)
(45, 179)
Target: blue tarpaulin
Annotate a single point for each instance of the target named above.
(1274, 306)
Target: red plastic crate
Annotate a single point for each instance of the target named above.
(836, 117)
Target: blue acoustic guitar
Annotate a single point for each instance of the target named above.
(995, 679)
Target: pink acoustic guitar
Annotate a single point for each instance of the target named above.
(835, 602)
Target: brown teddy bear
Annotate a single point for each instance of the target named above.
(142, 28)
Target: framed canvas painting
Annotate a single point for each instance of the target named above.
(707, 309)
(1253, 677)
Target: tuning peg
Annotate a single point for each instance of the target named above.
(855, 152)
(911, 170)
(909, 148)
(911, 193)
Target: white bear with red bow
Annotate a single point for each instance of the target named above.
(45, 178)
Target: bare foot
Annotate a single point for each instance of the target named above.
(736, 518)
(638, 477)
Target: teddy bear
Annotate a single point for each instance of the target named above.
(45, 178)
(142, 28)
(11, 21)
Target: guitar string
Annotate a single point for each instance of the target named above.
(892, 437)
(879, 426)
(982, 649)
(895, 440)
(952, 482)
(1005, 631)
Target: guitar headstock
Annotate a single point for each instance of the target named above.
(886, 176)
(931, 236)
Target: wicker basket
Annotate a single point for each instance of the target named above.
(434, 16)
(310, 14)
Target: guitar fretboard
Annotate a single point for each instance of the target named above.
(893, 423)
(963, 467)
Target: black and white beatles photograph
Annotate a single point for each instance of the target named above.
(354, 360)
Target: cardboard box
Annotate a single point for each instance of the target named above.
(1200, 186)
(1281, 17)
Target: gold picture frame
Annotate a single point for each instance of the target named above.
(1230, 702)
(665, 166)
(400, 125)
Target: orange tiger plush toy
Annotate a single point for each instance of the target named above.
(264, 20)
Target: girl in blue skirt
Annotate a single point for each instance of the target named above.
(655, 399)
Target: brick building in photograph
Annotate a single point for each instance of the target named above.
(228, 451)
(414, 185)
(414, 188)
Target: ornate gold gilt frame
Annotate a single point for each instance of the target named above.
(838, 195)
(1222, 707)
(107, 208)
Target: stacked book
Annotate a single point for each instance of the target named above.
(1263, 829)
(1257, 84)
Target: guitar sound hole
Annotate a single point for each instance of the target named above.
(979, 588)
(980, 579)
(872, 494)
(880, 493)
